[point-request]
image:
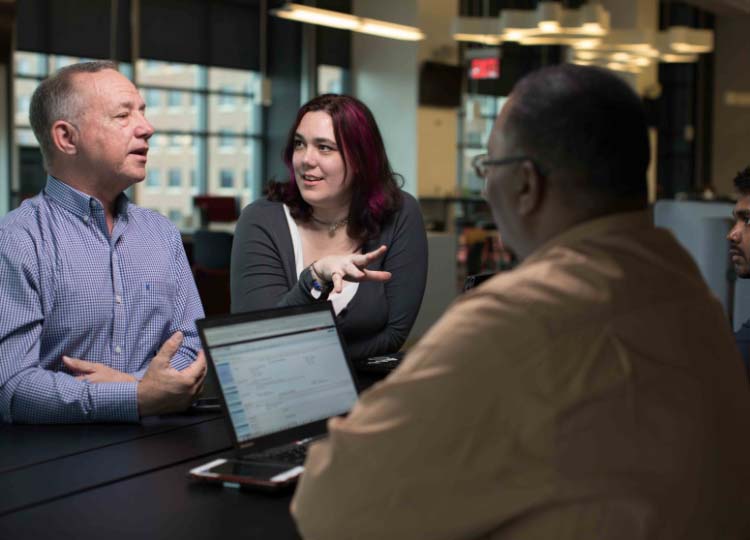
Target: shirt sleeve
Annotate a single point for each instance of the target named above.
(187, 309)
(258, 277)
(410, 448)
(406, 259)
(29, 393)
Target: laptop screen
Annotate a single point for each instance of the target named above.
(281, 372)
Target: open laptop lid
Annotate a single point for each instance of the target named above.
(282, 372)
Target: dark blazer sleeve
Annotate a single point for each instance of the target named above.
(406, 259)
(263, 267)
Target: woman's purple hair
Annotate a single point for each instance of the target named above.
(375, 190)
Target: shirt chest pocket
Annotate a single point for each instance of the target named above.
(155, 302)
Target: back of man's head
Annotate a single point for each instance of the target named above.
(56, 99)
(586, 126)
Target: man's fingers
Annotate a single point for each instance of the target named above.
(197, 369)
(169, 348)
(80, 366)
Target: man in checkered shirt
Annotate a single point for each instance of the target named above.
(97, 301)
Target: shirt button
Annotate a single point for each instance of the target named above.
(118, 299)
(86, 218)
(118, 350)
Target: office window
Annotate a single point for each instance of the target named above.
(225, 99)
(330, 79)
(204, 134)
(175, 216)
(23, 66)
(174, 99)
(226, 139)
(226, 178)
(153, 179)
(152, 98)
(177, 142)
(193, 131)
(174, 178)
(23, 104)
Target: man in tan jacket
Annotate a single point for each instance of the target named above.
(594, 392)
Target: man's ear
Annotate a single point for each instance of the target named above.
(65, 137)
(531, 189)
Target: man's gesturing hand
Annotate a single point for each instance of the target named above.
(94, 372)
(163, 389)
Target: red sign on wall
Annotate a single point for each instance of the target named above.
(485, 68)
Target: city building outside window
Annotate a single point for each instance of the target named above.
(153, 179)
(174, 99)
(226, 178)
(174, 178)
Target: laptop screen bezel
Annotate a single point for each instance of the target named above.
(288, 435)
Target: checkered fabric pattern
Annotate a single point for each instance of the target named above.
(68, 287)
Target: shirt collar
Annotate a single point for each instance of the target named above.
(79, 203)
(598, 227)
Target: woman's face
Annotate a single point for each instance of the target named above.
(318, 163)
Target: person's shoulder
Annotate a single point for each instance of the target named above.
(23, 223)
(407, 207)
(155, 224)
(261, 211)
(409, 203)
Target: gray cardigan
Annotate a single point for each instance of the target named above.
(379, 317)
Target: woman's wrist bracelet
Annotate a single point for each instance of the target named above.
(317, 281)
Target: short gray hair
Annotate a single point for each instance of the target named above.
(56, 99)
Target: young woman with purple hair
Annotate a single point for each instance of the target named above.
(340, 229)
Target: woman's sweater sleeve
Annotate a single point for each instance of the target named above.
(406, 259)
(258, 271)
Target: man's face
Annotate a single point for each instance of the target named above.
(500, 183)
(113, 129)
(739, 237)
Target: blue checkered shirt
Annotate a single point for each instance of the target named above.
(68, 287)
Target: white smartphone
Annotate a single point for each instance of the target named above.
(255, 474)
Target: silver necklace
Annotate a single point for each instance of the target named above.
(332, 225)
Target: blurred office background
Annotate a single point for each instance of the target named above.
(223, 80)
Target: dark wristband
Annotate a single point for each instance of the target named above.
(324, 287)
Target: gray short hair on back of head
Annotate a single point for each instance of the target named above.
(56, 99)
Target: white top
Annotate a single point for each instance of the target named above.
(339, 300)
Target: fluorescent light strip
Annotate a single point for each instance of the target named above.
(390, 30)
(345, 21)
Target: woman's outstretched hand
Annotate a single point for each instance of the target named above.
(351, 267)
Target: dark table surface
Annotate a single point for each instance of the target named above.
(130, 481)
(24, 445)
(118, 481)
(159, 504)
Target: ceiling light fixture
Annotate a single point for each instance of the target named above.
(586, 28)
(345, 21)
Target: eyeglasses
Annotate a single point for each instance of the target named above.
(482, 163)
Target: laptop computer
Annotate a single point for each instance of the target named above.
(282, 373)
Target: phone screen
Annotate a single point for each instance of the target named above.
(259, 471)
